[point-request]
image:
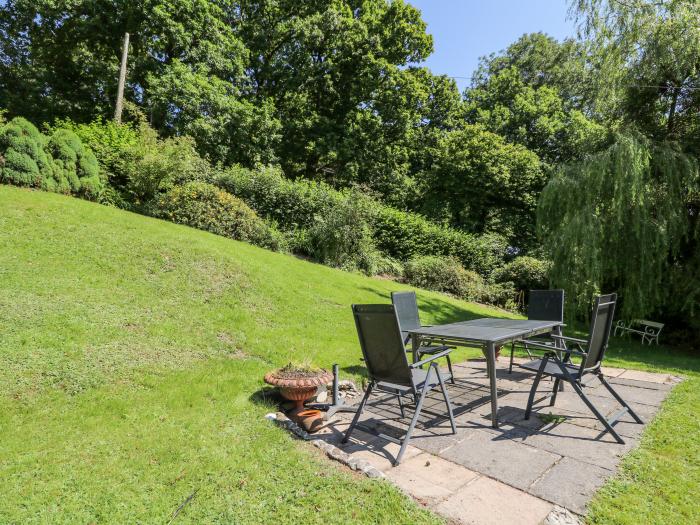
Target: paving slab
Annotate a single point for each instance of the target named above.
(570, 484)
(634, 394)
(584, 444)
(502, 458)
(430, 479)
(626, 426)
(649, 377)
(612, 372)
(640, 384)
(518, 472)
(380, 453)
(485, 501)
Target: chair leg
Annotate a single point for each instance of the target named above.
(535, 383)
(403, 413)
(620, 400)
(529, 354)
(512, 351)
(360, 408)
(447, 401)
(449, 367)
(597, 414)
(414, 420)
(555, 390)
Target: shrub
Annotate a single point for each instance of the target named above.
(389, 266)
(24, 161)
(405, 235)
(443, 274)
(401, 235)
(526, 273)
(293, 204)
(342, 237)
(207, 207)
(139, 165)
(74, 166)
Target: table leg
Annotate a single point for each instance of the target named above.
(415, 344)
(559, 344)
(491, 366)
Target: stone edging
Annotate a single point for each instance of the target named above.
(333, 452)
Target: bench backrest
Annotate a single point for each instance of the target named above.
(653, 324)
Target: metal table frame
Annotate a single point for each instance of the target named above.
(487, 333)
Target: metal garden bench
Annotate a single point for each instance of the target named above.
(649, 330)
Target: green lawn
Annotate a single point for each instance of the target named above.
(131, 350)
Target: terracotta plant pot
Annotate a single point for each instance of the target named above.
(299, 388)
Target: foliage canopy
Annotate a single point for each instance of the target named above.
(617, 220)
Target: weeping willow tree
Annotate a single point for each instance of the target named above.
(617, 221)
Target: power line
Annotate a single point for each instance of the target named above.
(627, 85)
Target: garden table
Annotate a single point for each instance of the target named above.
(488, 333)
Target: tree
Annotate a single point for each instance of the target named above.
(483, 184)
(617, 221)
(647, 54)
(541, 60)
(536, 117)
(60, 59)
(534, 94)
(334, 71)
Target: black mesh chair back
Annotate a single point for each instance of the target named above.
(382, 344)
(546, 305)
(406, 306)
(601, 325)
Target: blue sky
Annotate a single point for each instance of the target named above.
(464, 30)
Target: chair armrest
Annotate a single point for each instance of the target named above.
(433, 357)
(566, 338)
(551, 348)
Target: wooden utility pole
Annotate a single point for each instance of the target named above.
(122, 80)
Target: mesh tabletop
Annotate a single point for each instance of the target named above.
(487, 330)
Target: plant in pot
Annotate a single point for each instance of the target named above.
(298, 383)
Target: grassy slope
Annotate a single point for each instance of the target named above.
(130, 351)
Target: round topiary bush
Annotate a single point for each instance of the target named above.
(444, 274)
(23, 160)
(206, 207)
(75, 167)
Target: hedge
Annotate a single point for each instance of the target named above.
(398, 234)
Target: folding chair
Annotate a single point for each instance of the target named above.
(542, 305)
(388, 368)
(561, 369)
(406, 306)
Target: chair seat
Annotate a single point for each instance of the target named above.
(419, 376)
(552, 368)
(430, 350)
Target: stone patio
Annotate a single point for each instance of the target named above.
(525, 472)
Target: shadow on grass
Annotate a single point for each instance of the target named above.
(439, 311)
(267, 396)
(358, 370)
